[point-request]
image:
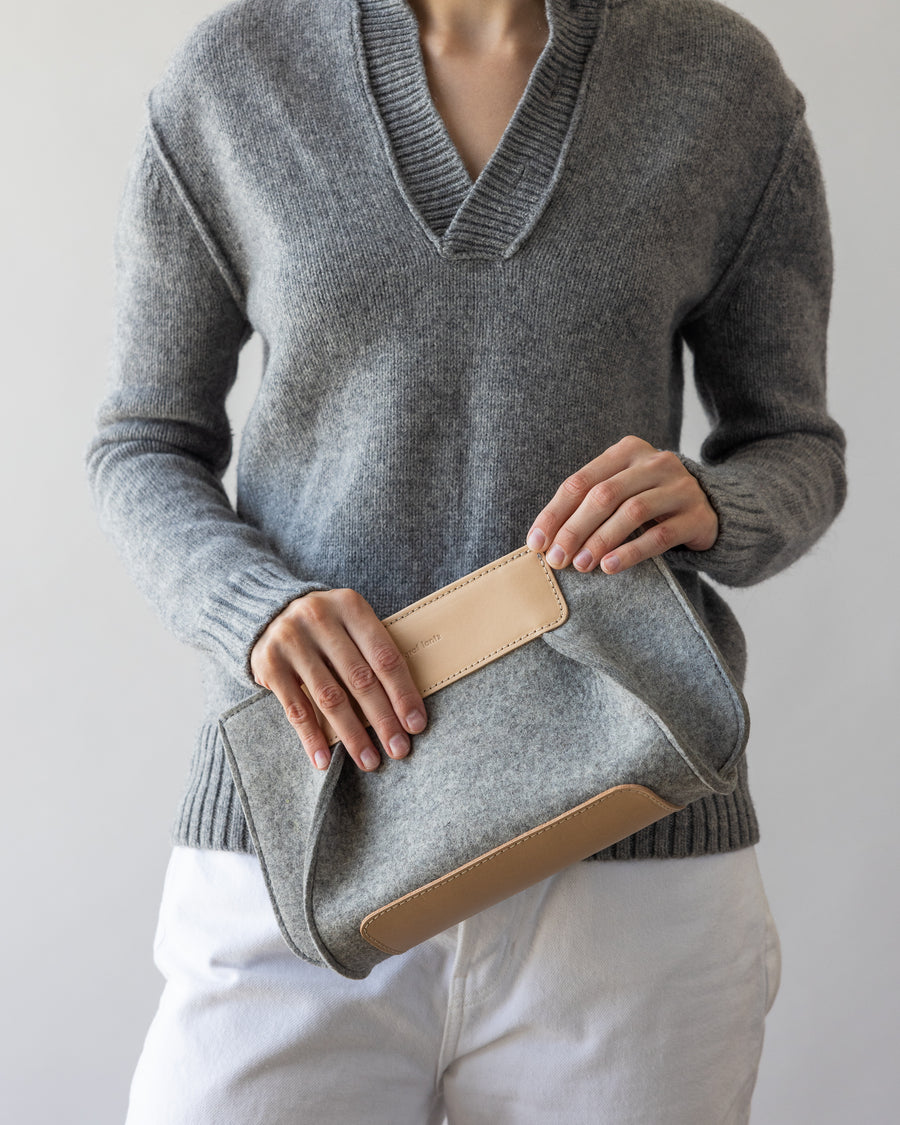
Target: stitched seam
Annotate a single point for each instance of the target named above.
(731, 273)
(468, 870)
(543, 628)
(216, 253)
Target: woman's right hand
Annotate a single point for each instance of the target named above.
(333, 642)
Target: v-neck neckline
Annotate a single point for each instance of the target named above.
(490, 217)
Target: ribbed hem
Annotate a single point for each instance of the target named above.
(490, 218)
(715, 824)
(239, 610)
(210, 816)
(210, 813)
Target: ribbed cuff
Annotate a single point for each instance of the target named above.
(237, 613)
(744, 524)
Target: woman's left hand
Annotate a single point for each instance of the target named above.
(630, 485)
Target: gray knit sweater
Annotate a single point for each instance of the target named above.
(439, 354)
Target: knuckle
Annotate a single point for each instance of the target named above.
(662, 536)
(386, 727)
(330, 696)
(261, 660)
(276, 632)
(565, 537)
(599, 546)
(298, 714)
(636, 509)
(360, 677)
(665, 460)
(386, 657)
(603, 495)
(408, 702)
(630, 443)
(357, 744)
(350, 601)
(356, 741)
(313, 608)
(576, 484)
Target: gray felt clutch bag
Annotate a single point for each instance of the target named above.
(567, 711)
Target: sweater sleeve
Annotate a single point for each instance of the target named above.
(163, 438)
(772, 464)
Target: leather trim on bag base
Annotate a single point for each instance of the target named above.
(515, 865)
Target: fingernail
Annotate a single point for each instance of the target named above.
(583, 559)
(321, 760)
(415, 721)
(369, 758)
(398, 745)
(611, 564)
(556, 556)
(536, 539)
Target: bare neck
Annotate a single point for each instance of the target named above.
(479, 24)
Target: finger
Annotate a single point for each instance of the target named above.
(299, 661)
(666, 508)
(286, 687)
(372, 670)
(590, 532)
(362, 672)
(331, 697)
(654, 540)
(315, 645)
(403, 700)
(573, 490)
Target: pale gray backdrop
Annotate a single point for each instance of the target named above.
(101, 703)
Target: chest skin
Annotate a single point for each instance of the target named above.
(476, 90)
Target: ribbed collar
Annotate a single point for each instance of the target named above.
(490, 218)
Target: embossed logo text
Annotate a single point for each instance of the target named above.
(424, 643)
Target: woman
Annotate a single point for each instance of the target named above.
(474, 238)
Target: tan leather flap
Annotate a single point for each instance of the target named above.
(475, 620)
(510, 868)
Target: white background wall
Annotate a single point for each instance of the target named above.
(101, 704)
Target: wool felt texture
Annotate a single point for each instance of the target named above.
(630, 689)
(439, 355)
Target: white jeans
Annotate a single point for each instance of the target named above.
(621, 992)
